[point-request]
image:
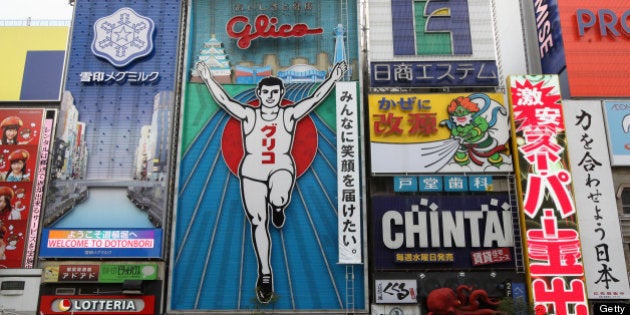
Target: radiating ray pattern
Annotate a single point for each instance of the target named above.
(214, 265)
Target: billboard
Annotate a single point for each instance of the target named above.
(112, 150)
(97, 304)
(438, 231)
(269, 170)
(450, 292)
(33, 67)
(617, 115)
(25, 145)
(596, 201)
(550, 226)
(432, 44)
(141, 297)
(476, 292)
(101, 243)
(105, 272)
(429, 133)
(595, 40)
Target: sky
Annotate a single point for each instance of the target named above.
(35, 9)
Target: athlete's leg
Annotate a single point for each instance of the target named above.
(280, 188)
(254, 194)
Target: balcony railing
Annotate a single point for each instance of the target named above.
(34, 22)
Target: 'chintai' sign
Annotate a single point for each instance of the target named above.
(443, 231)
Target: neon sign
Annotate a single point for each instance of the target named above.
(553, 248)
(239, 28)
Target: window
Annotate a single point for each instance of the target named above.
(625, 200)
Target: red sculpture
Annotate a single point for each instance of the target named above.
(466, 301)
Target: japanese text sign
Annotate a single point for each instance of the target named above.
(595, 200)
(100, 243)
(112, 148)
(349, 183)
(396, 291)
(438, 133)
(25, 145)
(432, 43)
(552, 243)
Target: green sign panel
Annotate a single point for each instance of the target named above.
(114, 273)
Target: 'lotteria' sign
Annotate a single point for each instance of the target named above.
(97, 304)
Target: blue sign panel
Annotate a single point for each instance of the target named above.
(405, 183)
(42, 75)
(431, 183)
(480, 183)
(549, 31)
(101, 243)
(442, 24)
(455, 183)
(115, 130)
(434, 73)
(442, 231)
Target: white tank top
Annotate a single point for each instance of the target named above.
(267, 147)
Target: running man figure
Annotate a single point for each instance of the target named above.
(267, 170)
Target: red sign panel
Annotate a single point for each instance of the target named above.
(78, 273)
(24, 147)
(97, 304)
(491, 256)
(596, 37)
(548, 211)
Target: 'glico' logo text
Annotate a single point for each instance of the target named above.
(239, 28)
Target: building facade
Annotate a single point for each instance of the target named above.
(406, 157)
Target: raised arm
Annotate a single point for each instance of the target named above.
(305, 106)
(234, 108)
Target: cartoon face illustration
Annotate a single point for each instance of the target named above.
(270, 95)
(462, 110)
(26, 133)
(12, 241)
(472, 119)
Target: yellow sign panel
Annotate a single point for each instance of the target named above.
(416, 118)
(429, 133)
(23, 39)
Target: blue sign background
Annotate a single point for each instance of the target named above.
(434, 73)
(553, 62)
(385, 258)
(114, 113)
(98, 149)
(105, 252)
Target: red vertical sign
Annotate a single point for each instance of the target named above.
(552, 244)
(24, 146)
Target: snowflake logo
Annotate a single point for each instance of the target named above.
(123, 37)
